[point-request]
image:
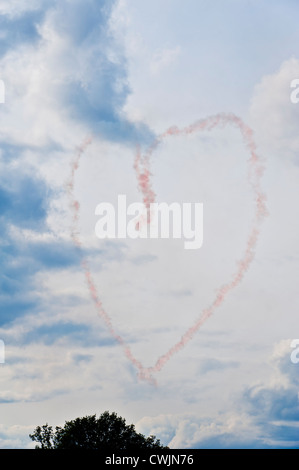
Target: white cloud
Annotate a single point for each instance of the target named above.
(14, 8)
(256, 423)
(274, 117)
(163, 59)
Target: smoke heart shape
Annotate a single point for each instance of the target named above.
(142, 168)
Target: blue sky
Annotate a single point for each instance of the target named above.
(122, 72)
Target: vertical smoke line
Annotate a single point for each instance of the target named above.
(74, 204)
(143, 175)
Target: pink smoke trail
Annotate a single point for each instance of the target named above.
(144, 183)
(74, 205)
(255, 173)
(75, 209)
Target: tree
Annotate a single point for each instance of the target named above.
(107, 433)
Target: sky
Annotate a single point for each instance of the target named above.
(193, 346)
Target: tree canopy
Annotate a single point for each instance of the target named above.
(106, 433)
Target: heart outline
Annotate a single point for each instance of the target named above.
(143, 176)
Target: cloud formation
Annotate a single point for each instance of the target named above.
(112, 71)
(268, 415)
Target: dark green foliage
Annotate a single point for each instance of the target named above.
(109, 432)
(44, 435)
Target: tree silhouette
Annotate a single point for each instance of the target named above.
(107, 433)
